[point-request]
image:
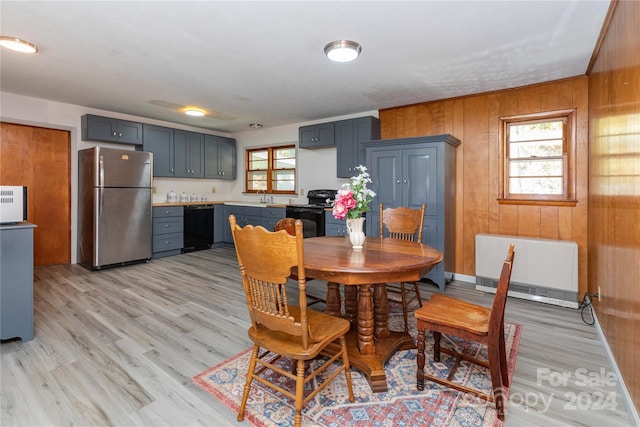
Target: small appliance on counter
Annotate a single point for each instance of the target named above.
(172, 197)
(184, 197)
(193, 198)
(13, 204)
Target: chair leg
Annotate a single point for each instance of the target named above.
(504, 371)
(420, 357)
(416, 289)
(247, 384)
(297, 420)
(436, 346)
(496, 379)
(403, 292)
(347, 367)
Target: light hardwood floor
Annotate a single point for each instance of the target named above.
(119, 347)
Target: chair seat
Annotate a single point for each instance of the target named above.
(323, 329)
(449, 311)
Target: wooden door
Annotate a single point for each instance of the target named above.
(39, 158)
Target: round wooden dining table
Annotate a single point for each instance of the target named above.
(382, 260)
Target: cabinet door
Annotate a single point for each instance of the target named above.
(128, 132)
(159, 141)
(100, 128)
(188, 154)
(326, 135)
(220, 224)
(419, 181)
(211, 170)
(181, 153)
(226, 158)
(345, 152)
(307, 136)
(386, 168)
(196, 154)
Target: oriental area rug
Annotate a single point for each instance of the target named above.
(401, 405)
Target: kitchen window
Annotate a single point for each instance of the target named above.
(271, 169)
(538, 159)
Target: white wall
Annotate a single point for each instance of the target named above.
(316, 168)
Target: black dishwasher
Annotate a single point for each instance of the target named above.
(198, 227)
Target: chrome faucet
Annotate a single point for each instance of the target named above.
(263, 199)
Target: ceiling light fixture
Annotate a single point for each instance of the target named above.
(18, 45)
(195, 112)
(342, 50)
(255, 125)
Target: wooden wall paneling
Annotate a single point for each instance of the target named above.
(475, 174)
(529, 221)
(529, 99)
(614, 187)
(493, 164)
(508, 220)
(549, 222)
(423, 121)
(438, 124)
(456, 128)
(565, 231)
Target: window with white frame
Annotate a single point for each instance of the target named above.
(538, 157)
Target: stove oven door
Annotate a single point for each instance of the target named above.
(312, 219)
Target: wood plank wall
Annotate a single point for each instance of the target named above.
(475, 120)
(614, 188)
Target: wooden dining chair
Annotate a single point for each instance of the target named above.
(289, 225)
(443, 314)
(265, 259)
(404, 224)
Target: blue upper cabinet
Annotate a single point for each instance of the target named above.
(159, 141)
(317, 136)
(107, 129)
(219, 157)
(189, 154)
(349, 136)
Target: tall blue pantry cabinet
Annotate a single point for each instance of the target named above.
(412, 171)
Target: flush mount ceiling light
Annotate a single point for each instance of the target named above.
(255, 125)
(195, 112)
(18, 45)
(342, 50)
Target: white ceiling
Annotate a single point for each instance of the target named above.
(263, 61)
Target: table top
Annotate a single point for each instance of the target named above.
(381, 260)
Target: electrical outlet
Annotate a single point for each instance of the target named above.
(599, 294)
(154, 190)
(213, 189)
(302, 191)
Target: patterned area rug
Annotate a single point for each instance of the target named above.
(401, 405)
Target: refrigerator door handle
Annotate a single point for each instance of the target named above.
(101, 172)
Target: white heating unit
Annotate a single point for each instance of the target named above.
(543, 270)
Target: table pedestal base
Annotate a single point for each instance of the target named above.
(372, 365)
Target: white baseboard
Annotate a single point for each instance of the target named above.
(460, 277)
(623, 387)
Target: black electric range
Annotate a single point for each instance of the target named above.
(312, 214)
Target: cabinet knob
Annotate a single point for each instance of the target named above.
(405, 181)
(119, 134)
(113, 133)
(398, 182)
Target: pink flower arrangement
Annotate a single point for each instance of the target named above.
(354, 198)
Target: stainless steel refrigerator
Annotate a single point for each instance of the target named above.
(114, 207)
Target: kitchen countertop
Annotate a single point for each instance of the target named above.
(221, 202)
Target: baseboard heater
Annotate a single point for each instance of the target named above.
(543, 270)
